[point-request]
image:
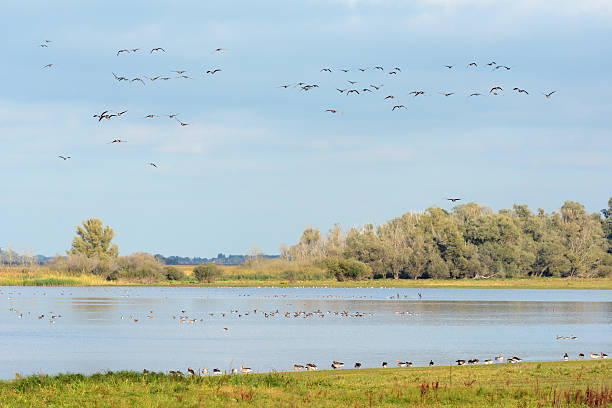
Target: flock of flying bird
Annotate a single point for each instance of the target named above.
(358, 90)
(353, 89)
(109, 114)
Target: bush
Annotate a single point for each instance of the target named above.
(348, 269)
(292, 275)
(140, 267)
(113, 276)
(78, 264)
(207, 272)
(173, 274)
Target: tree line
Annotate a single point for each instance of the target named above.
(471, 241)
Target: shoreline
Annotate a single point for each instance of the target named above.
(344, 369)
(49, 280)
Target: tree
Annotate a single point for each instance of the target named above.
(606, 224)
(94, 240)
(310, 246)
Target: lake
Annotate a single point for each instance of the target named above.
(267, 329)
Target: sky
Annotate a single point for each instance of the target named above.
(257, 163)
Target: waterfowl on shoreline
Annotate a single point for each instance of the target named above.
(216, 371)
(297, 367)
(357, 365)
(245, 370)
(337, 364)
(565, 357)
(190, 371)
(473, 361)
(489, 361)
(311, 367)
(500, 357)
(594, 355)
(234, 371)
(460, 362)
(384, 364)
(431, 363)
(603, 355)
(580, 355)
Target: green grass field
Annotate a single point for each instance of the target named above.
(275, 274)
(548, 384)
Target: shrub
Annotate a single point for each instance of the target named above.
(208, 272)
(348, 269)
(291, 275)
(113, 276)
(78, 264)
(140, 267)
(173, 274)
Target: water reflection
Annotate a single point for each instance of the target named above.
(271, 329)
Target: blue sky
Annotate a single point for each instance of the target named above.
(258, 163)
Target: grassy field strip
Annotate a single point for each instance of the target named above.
(251, 278)
(546, 384)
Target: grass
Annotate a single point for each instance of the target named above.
(550, 384)
(280, 273)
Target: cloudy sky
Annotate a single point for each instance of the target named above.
(258, 163)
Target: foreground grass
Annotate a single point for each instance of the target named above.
(284, 274)
(550, 384)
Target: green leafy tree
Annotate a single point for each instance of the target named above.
(606, 224)
(93, 240)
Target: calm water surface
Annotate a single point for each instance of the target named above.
(225, 327)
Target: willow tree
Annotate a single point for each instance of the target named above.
(93, 240)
